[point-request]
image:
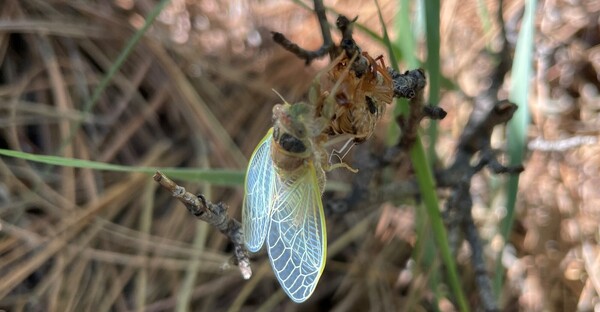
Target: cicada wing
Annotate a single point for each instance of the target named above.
(258, 188)
(296, 241)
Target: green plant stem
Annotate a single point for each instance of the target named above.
(213, 176)
(519, 94)
(427, 187)
(432, 26)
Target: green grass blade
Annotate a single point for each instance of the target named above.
(432, 66)
(425, 251)
(406, 40)
(213, 176)
(519, 93)
(386, 38)
(401, 105)
(427, 187)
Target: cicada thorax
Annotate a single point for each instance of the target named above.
(297, 141)
(359, 97)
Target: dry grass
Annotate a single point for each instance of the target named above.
(196, 92)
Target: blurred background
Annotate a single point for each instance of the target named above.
(196, 93)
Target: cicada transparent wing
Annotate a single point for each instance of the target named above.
(258, 187)
(296, 240)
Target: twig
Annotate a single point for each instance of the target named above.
(214, 214)
(474, 142)
(307, 55)
(561, 145)
(482, 280)
(410, 85)
(325, 32)
(434, 112)
(347, 42)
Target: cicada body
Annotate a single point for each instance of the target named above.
(282, 204)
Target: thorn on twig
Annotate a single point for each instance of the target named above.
(214, 214)
(434, 112)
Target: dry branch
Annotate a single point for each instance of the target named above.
(215, 215)
(474, 143)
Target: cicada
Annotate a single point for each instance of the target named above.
(286, 174)
(282, 204)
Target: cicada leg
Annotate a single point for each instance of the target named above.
(330, 167)
(314, 92)
(342, 152)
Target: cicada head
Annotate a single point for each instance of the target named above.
(293, 119)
